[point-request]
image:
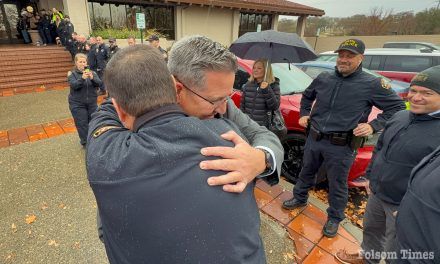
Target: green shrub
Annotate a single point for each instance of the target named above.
(125, 33)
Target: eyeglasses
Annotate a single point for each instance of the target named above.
(215, 103)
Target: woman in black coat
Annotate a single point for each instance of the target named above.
(261, 94)
(83, 96)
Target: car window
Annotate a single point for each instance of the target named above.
(407, 63)
(291, 81)
(326, 58)
(313, 71)
(375, 62)
(366, 62)
(376, 74)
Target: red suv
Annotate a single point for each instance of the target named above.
(293, 82)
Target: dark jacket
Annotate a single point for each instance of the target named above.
(341, 102)
(80, 47)
(154, 202)
(112, 51)
(406, 140)
(68, 29)
(83, 90)
(257, 102)
(418, 218)
(102, 53)
(91, 57)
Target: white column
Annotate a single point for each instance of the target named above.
(301, 25)
(275, 22)
(235, 25)
(79, 15)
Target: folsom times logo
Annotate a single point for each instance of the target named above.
(404, 254)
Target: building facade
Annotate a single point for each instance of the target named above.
(222, 20)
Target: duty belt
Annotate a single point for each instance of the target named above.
(335, 138)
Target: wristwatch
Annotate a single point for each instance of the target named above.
(268, 160)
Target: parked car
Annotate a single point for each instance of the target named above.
(314, 68)
(293, 82)
(396, 64)
(411, 45)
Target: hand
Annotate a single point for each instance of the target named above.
(241, 162)
(264, 85)
(363, 130)
(85, 75)
(304, 121)
(90, 75)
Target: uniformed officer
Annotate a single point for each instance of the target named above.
(102, 56)
(143, 160)
(131, 40)
(398, 150)
(113, 47)
(154, 41)
(80, 46)
(67, 31)
(92, 54)
(337, 120)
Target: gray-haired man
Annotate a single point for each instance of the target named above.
(205, 71)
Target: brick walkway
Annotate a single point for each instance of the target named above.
(304, 226)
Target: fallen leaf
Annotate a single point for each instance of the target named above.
(76, 245)
(44, 206)
(62, 206)
(14, 228)
(53, 243)
(30, 219)
(290, 255)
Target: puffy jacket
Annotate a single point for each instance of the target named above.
(406, 140)
(257, 102)
(154, 202)
(83, 90)
(341, 102)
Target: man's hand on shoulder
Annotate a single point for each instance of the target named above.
(242, 163)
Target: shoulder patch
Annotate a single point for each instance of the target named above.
(385, 84)
(98, 132)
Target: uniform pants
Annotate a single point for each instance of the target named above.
(81, 113)
(337, 161)
(101, 75)
(379, 235)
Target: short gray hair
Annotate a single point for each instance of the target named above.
(191, 57)
(138, 79)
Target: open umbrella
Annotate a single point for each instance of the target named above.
(272, 45)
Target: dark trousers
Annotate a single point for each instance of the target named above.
(45, 36)
(379, 235)
(81, 113)
(101, 75)
(337, 161)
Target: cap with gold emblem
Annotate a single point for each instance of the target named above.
(356, 46)
(429, 78)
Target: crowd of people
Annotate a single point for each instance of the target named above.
(52, 25)
(172, 161)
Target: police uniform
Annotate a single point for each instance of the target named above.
(341, 104)
(102, 56)
(154, 202)
(82, 100)
(112, 48)
(91, 57)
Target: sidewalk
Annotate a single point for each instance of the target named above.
(48, 209)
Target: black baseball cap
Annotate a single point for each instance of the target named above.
(356, 46)
(153, 37)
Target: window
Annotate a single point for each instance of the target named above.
(375, 62)
(249, 22)
(366, 62)
(120, 16)
(407, 63)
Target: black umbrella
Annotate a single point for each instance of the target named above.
(274, 46)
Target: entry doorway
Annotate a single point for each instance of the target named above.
(9, 14)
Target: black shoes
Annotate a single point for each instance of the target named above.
(293, 204)
(330, 228)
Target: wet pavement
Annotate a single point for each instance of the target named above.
(48, 209)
